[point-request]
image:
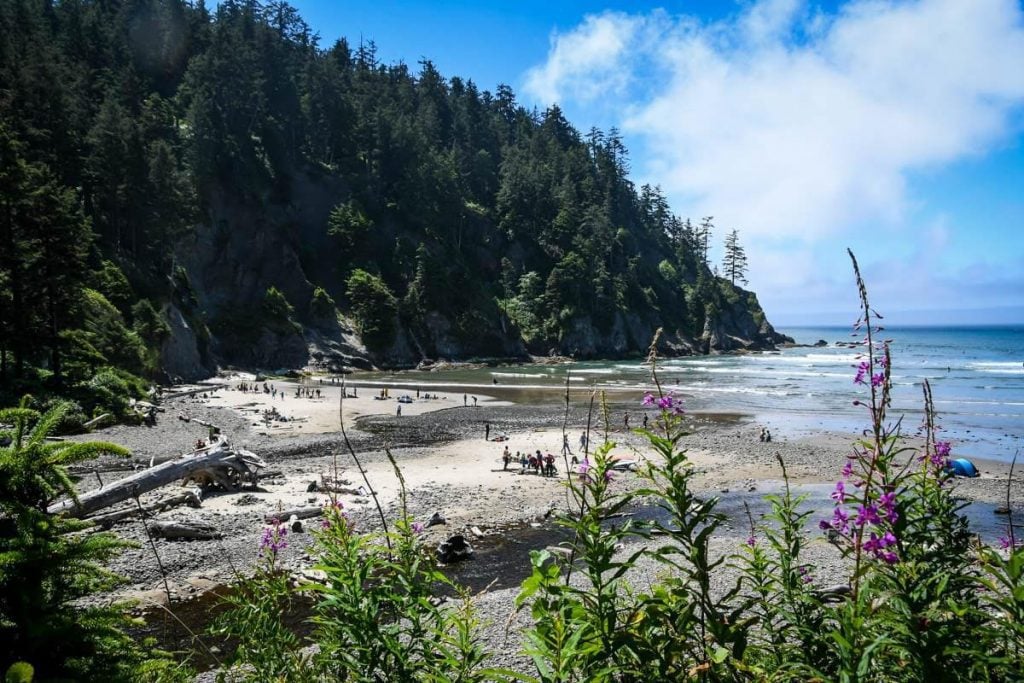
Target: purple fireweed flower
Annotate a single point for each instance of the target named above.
(839, 495)
(888, 539)
(609, 476)
(888, 502)
(273, 539)
(648, 399)
(417, 527)
(942, 449)
(1006, 544)
(889, 557)
(847, 469)
(805, 574)
(584, 468)
(825, 525)
(872, 545)
(840, 520)
(867, 514)
(751, 540)
(862, 371)
(878, 379)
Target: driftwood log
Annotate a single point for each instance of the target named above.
(183, 530)
(192, 497)
(217, 464)
(192, 392)
(283, 516)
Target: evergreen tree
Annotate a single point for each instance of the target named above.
(734, 263)
(702, 239)
(45, 567)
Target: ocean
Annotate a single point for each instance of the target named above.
(976, 375)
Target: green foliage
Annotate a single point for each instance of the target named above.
(350, 225)
(322, 305)
(668, 272)
(375, 618)
(278, 312)
(19, 672)
(149, 323)
(105, 332)
(111, 282)
(374, 308)
(45, 568)
(242, 113)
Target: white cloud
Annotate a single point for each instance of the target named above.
(586, 62)
(794, 125)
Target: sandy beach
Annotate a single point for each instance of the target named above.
(450, 468)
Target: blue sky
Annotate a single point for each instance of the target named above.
(892, 127)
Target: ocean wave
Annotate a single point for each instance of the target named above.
(998, 368)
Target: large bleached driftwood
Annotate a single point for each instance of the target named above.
(219, 464)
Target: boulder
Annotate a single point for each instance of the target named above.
(455, 549)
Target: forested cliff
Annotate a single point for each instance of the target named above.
(184, 188)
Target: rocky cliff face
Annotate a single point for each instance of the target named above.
(244, 247)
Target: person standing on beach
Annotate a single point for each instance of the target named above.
(398, 411)
(506, 458)
(474, 401)
(565, 445)
(465, 401)
(625, 421)
(487, 431)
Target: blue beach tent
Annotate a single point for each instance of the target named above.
(962, 467)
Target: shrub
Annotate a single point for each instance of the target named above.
(374, 308)
(47, 569)
(322, 305)
(278, 312)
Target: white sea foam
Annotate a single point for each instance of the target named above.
(998, 368)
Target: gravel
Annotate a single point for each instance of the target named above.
(730, 461)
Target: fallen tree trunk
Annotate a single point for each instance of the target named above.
(298, 513)
(192, 392)
(219, 460)
(192, 497)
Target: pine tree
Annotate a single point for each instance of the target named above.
(702, 239)
(734, 263)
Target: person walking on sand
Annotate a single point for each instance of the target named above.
(625, 421)
(487, 431)
(506, 458)
(565, 445)
(398, 411)
(465, 401)
(645, 420)
(474, 401)
(523, 462)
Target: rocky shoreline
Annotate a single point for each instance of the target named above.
(453, 471)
